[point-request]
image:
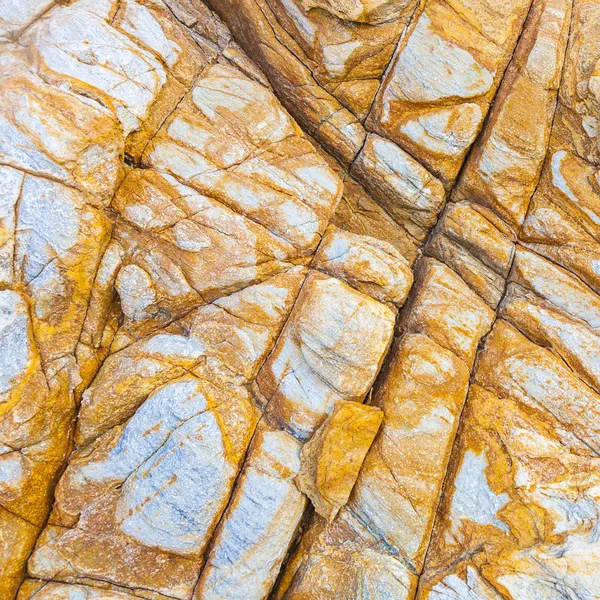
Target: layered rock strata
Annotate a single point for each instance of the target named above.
(222, 266)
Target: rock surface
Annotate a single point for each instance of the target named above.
(332, 459)
(260, 255)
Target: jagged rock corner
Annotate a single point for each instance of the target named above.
(260, 255)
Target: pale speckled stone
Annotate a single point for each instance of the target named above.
(344, 560)
(16, 15)
(445, 309)
(520, 508)
(331, 349)
(178, 257)
(259, 524)
(32, 589)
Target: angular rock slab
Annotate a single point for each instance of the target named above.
(331, 349)
(445, 72)
(151, 490)
(421, 393)
(504, 167)
(445, 309)
(369, 265)
(332, 458)
(344, 561)
(406, 189)
(231, 140)
(259, 525)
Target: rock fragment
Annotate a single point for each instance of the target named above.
(332, 458)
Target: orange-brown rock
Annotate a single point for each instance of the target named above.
(410, 194)
(475, 244)
(260, 522)
(445, 309)
(258, 30)
(421, 395)
(344, 560)
(371, 266)
(333, 456)
(443, 77)
(503, 170)
(511, 517)
(347, 252)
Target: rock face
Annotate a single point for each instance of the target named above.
(299, 299)
(332, 459)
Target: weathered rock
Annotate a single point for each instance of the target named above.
(152, 489)
(421, 395)
(512, 365)
(445, 72)
(331, 349)
(513, 515)
(192, 287)
(259, 524)
(258, 31)
(477, 245)
(402, 186)
(346, 57)
(576, 120)
(445, 309)
(371, 266)
(358, 213)
(504, 167)
(344, 560)
(43, 590)
(332, 458)
(363, 11)
(16, 16)
(551, 232)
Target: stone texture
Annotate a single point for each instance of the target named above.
(445, 309)
(476, 244)
(421, 395)
(332, 459)
(258, 31)
(410, 194)
(503, 170)
(222, 266)
(371, 266)
(344, 561)
(331, 349)
(445, 72)
(512, 518)
(41, 590)
(268, 483)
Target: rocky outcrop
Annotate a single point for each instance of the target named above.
(315, 316)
